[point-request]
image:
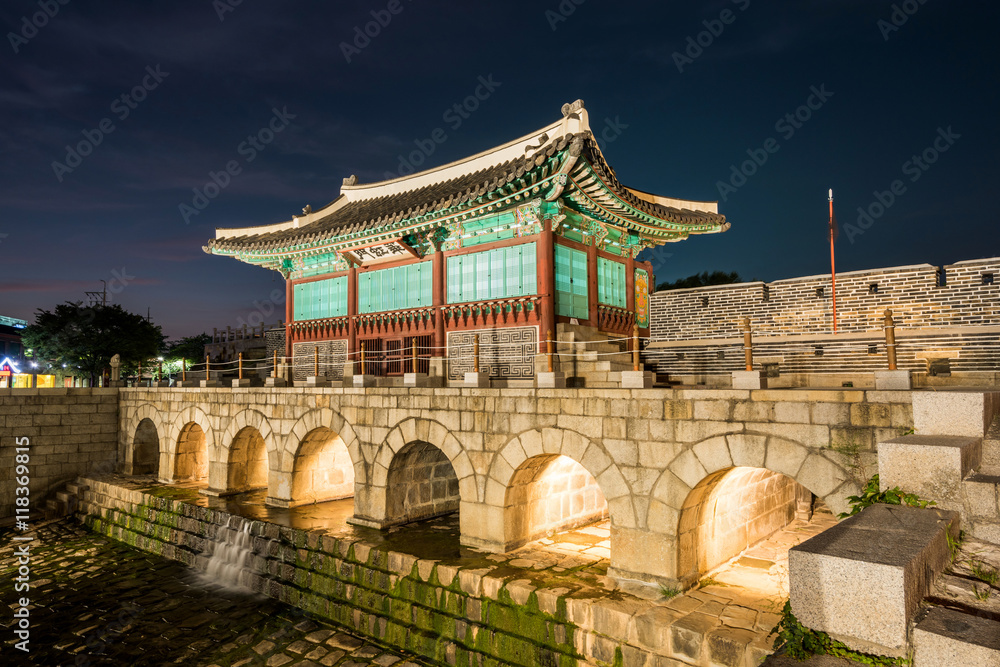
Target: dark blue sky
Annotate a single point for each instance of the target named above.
(681, 127)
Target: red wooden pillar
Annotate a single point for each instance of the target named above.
(592, 316)
(438, 296)
(630, 282)
(352, 315)
(289, 315)
(545, 261)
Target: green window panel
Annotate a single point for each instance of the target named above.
(398, 288)
(321, 299)
(571, 282)
(611, 283)
(500, 273)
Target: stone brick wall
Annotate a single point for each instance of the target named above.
(476, 612)
(71, 431)
(950, 313)
(422, 484)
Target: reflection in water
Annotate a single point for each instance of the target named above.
(436, 538)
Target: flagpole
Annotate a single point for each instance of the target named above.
(833, 266)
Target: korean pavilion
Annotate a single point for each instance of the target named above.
(509, 244)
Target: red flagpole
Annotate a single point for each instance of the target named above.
(833, 267)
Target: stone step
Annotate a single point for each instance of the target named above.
(76, 488)
(931, 466)
(950, 637)
(965, 413)
(862, 580)
(991, 445)
(981, 515)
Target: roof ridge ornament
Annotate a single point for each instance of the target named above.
(570, 110)
(351, 180)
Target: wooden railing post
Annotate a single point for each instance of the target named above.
(548, 345)
(275, 369)
(890, 339)
(208, 366)
(635, 348)
(241, 365)
(475, 354)
(362, 359)
(316, 361)
(747, 344)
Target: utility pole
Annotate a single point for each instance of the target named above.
(101, 296)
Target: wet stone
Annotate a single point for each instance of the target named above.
(100, 602)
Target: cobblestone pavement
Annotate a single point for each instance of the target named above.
(99, 602)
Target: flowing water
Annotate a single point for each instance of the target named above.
(231, 554)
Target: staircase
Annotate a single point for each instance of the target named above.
(591, 358)
(65, 502)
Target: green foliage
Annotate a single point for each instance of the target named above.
(799, 642)
(703, 280)
(709, 581)
(870, 495)
(954, 544)
(983, 572)
(669, 592)
(982, 594)
(191, 348)
(84, 338)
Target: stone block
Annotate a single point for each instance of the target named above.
(245, 382)
(932, 466)
(317, 381)
(556, 380)
(637, 380)
(275, 382)
(950, 637)
(749, 380)
(362, 381)
(862, 580)
(893, 381)
(415, 379)
(477, 380)
(953, 412)
(204, 384)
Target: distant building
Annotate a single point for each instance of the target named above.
(10, 339)
(506, 244)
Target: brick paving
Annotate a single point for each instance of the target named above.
(99, 602)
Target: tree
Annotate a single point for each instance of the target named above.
(703, 280)
(86, 337)
(191, 348)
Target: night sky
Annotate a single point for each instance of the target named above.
(678, 117)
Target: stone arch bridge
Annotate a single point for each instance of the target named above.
(519, 463)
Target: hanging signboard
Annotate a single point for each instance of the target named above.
(642, 298)
(379, 253)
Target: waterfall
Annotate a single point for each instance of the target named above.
(233, 549)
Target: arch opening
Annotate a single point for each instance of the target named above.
(146, 449)
(191, 460)
(552, 496)
(247, 469)
(422, 484)
(323, 469)
(738, 524)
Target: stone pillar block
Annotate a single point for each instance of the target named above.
(637, 379)
(547, 380)
(414, 379)
(362, 381)
(477, 380)
(931, 466)
(954, 412)
(209, 383)
(862, 580)
(275, 382)
(893, 381)
(749, 380)
(245, 382)
(317, 381)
